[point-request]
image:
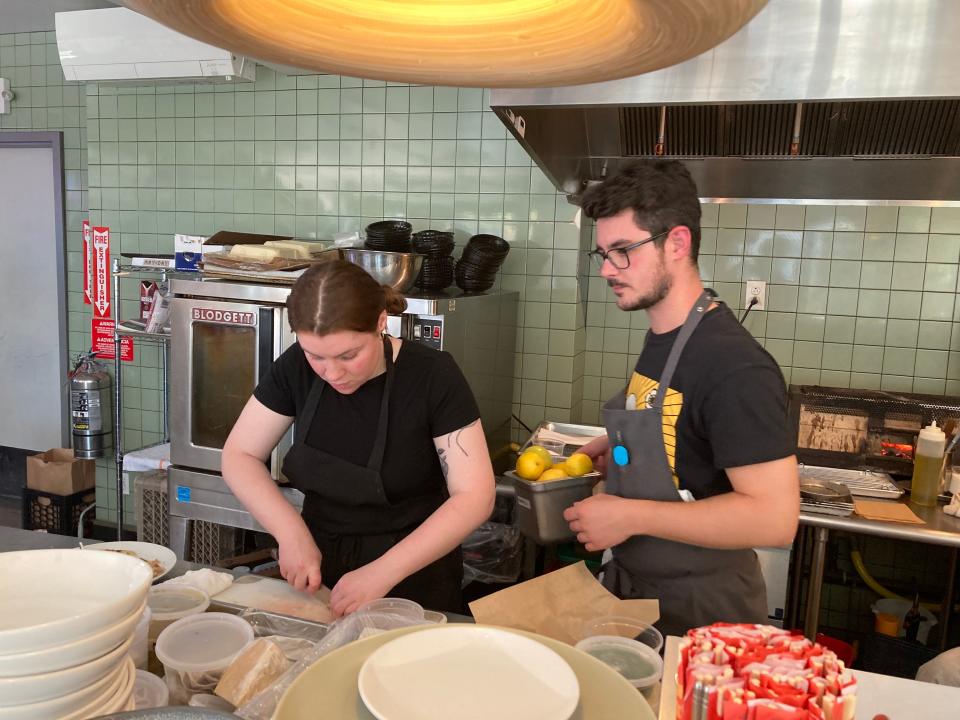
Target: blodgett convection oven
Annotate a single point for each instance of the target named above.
(225, 335)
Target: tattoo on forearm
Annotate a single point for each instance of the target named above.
(456, 438)
(443, 461)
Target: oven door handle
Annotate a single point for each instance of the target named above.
(270, 345)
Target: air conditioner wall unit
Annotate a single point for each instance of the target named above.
(117, 45)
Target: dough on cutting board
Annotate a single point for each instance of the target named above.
(277, 596)
(252, 671)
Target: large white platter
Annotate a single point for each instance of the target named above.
(166, 557)
(467, 672)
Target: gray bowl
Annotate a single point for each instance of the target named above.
(397, 270)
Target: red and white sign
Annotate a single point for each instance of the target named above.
(101, 272)
(101, 334)
(87, 265)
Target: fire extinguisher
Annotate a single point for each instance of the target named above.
(91, 407)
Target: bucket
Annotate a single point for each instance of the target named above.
(898, 609)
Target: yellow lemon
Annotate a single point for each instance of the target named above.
(562, 465)
(530, 465)
(553, 473)
(542, 452)
(579, 464)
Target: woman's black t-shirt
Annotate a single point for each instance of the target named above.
(429, 398)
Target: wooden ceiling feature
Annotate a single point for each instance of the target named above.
(465, 43)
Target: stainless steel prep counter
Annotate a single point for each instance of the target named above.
(939, 529)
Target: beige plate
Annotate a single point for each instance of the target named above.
(331, 684)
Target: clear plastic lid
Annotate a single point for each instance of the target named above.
(149, 691)
(203, 642)
(640, 664)
(394, 606)
(627, 627)
(171, 602)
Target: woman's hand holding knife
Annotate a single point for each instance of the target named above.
(300, 560)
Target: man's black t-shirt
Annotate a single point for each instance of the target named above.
(726, 405)
(429, 398)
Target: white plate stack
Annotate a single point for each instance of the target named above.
(67, 619)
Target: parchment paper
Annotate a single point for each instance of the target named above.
(559, 604)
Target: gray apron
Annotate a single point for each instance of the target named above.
(695, 585)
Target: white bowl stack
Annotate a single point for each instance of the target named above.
(66, 623)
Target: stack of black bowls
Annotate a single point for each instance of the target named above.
(479, 262)
(436, 273)
(389, 235)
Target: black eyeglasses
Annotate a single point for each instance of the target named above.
(619, 257)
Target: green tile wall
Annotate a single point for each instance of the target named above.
(312, 155)
(860, 297)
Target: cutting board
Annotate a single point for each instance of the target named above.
(273, 595)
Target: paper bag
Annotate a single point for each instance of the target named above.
(559, 605)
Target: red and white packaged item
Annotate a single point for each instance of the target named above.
(147, 290)
(759, 672)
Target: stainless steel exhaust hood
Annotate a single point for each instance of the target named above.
(831, 100)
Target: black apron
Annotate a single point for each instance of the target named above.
(351, 515)
(695, 585)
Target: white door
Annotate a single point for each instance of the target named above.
(33, 353)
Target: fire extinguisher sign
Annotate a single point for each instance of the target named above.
(101, 334)
(100, 257)
(87, 265)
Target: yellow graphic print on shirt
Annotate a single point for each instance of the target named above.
(641, 392)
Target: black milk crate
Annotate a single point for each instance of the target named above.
(58, 513)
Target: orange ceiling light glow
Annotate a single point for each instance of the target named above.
(468, 43)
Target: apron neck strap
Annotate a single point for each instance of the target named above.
(694, 317)
(380, 441)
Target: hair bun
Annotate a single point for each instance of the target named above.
(394, 301)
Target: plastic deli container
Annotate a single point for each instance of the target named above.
(169, 603)
(149, 691)
(432, 616)
(624, 627)
(195, 650)
(394, 606)
(640, 664)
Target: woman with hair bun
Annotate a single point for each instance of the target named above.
(388, 450)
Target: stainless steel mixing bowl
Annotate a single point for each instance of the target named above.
(398, 270)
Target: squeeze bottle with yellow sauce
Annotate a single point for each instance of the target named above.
(927, 466)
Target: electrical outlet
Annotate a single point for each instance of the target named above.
(756, 289)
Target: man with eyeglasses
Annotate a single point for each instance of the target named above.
(699, 454)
